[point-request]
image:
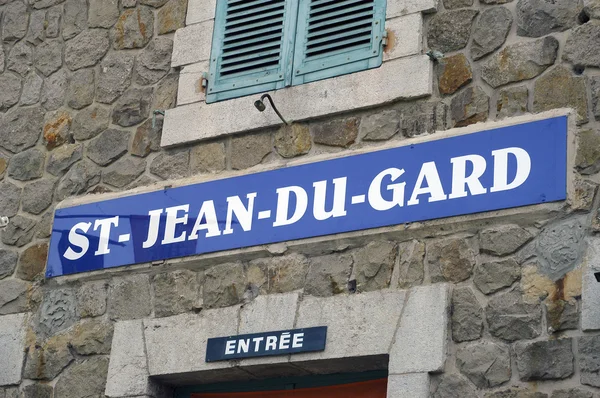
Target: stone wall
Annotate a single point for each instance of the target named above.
(80, 80)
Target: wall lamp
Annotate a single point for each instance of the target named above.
(260, 105)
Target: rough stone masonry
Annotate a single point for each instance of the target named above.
(79, 81)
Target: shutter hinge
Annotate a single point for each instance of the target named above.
(384, 38)
(203, 82)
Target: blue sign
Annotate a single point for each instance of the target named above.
(266, 344)
(490, 170)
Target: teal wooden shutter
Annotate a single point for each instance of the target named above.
(253, 44)
(335, 37)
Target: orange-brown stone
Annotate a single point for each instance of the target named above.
(455, 73)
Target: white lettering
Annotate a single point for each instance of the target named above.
(243, 214)
(271, 343)
(257, 341)
(376, 201)
(211, 225)
(80, 241)
(460, 180)
(501, 168)
(172, 222)
(283, 202)
(339, 199)
(230, 347)
(284, 341)
(298, 340)
(243, 346)
(104, 225)
(152, 228)
(428, 174)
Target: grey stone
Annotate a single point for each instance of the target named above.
(37, 391)
(545, 360)
(21, 128)
(583, 45)
(48, 56)
(165, 94)
(37, 196)
(92, 337)
(128, 3)
(32, 87)
(91, 299)
(560, 89)
(592, 8)
(411, 264)
(129, 298)
(470, 106)
(61, 159)
(510, 318)
(154, 3)
(561, 315)
(536, 18)
(450, 259)
(78, 179)
(57, 128)
(32, 262)
(450, 31)
(86, 49)
(108, 146)
(490, 31)
(14, 21)
(452, 4)
(81, 88)
(43, 229)
(57, 312)
(172, 16)
(90, 122)
(53, 21)
(206, 158)
(133, 107)
(147, 139)
(123, 172)
(379, 126)
(114, 77)
(281, 274)
(27, 165)
(75, 18)
(224, 285)
(155, 61)
(492, 276)
(103, 13)
(13, 296)
(595, 85)
(12, 344)
(134, 28)
(175, 292)
(54, 91)
(44, 3)
(560, 246)
(512, 101)
(3, 164)
(341, 132)
(373, 265)
(36, 34)
(1, 58)
(20, 58)
(588, 152)
(292, 141)
(10, 90)
(503, 240)
(486, 364)
(249, 150)
(520, 61)
(589, 361)
(328, 275)
(19, 231)
(46, 360)
(516, 392)
(8, 262)
(10, 199)
(453, 386)
(171, 164)
(85, 378)
(467, 315)
(572, 393)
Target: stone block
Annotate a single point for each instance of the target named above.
(177, 344)
(192, 44)
(590, 301)
(450, 31)
(537, 18)
(402, 78)
(176, 292)
(403, 7)
(357, 325)
(130, 298)
(84, 378)
(328, 275)
(405, 36)
(467, 315)
(200, 11)
(510, 318)
(190, 83)
(545, 360)
(415, 385)
(91, 299)
(486, 364)
(12, 348)
(420, 342)
(589, 362)
(454, 386)
(560, 89)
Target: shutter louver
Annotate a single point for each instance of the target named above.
(252, 40)
(335, 37)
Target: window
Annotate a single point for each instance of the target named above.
(263, 45)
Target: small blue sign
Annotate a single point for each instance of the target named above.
(496, 169)
(266, 344)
